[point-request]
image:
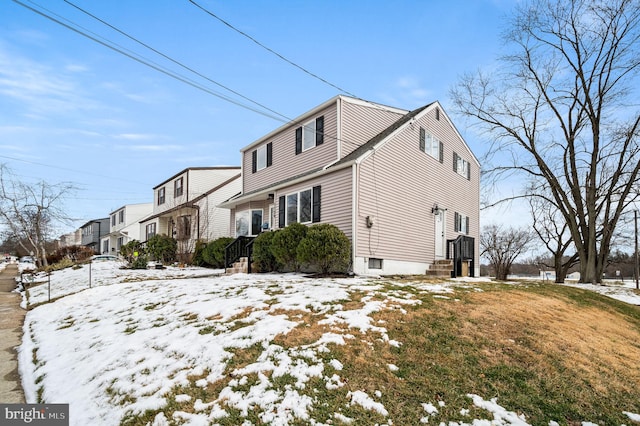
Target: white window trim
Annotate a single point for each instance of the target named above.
(261, 151)
(311, 124)
(286, 199)
(431, 145)
(462, 167)
(462, 225)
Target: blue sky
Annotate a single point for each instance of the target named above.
(72, 110)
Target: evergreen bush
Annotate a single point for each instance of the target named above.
(213, 253)
(162, 248)
(263, 256)
(326, 248)
(285, 245)
(198, 259)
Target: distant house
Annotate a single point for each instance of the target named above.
(124, 226)
(402, 185)
(186, 208)
(70, 239)
(93, 231)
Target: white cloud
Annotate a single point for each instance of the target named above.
(41, 89)
(154, 148)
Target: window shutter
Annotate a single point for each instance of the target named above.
(441, 148)
(422, 139)
(456, 222)
(455, 162)
(319, 130)
(298, 140)
(254, 161)
(315, 215)
(269, 154)
(467, 224)
(281, 207)
(468, 171)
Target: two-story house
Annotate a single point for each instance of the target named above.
(93, 231)
(402, 185)
(124, 226)
(186, 208)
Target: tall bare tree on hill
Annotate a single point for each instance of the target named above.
(31, 211)
(561, 110)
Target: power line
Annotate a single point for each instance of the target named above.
(176, 61)
(271, 50)
(144, 61)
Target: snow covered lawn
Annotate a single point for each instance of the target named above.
(137, 342)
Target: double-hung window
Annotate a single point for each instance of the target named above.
(262, 157)
(113, 220)
(161, 196)
(301, 207)
(121, 216)
(461, 166)
(178, 187)
(150, 230)
(431, 145)
(461, 223)
(310, 134)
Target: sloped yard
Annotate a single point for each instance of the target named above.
(285, 349)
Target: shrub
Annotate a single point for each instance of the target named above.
(62, 264)
(326, 247)
(162, 248)
(128, 250)
(285, 245)
(213, 253)
(198, 259)
(263, 256)
(139, 262)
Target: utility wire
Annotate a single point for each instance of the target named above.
(175, 61)
(271, 50)
(144, 61)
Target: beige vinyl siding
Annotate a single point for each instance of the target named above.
(335, 195)
(252, 205)
(285, 161)
(361, 123)
(400, 184)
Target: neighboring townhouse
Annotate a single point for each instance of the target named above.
(186, 208)
(402, 185)
(93, 231)
(124, 226)
(71, 239)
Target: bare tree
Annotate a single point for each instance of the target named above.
(502, 247)
(31, 211)
(559, 110)
(553, 231)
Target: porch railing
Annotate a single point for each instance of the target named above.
(238, 248)
(460, 250)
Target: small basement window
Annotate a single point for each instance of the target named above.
(375, 263)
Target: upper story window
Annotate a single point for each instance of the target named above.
(121, 216)
(178, 187)
(113, 220)
(161, 196)
(262, 157)
(431, 145)
(461, 166)
(310, 134)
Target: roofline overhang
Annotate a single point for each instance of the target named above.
(302, 118)
(262, 194)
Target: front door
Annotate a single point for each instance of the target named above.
(439, 233)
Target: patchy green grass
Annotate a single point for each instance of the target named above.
(552, 353)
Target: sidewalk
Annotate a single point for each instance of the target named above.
(11, 320)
